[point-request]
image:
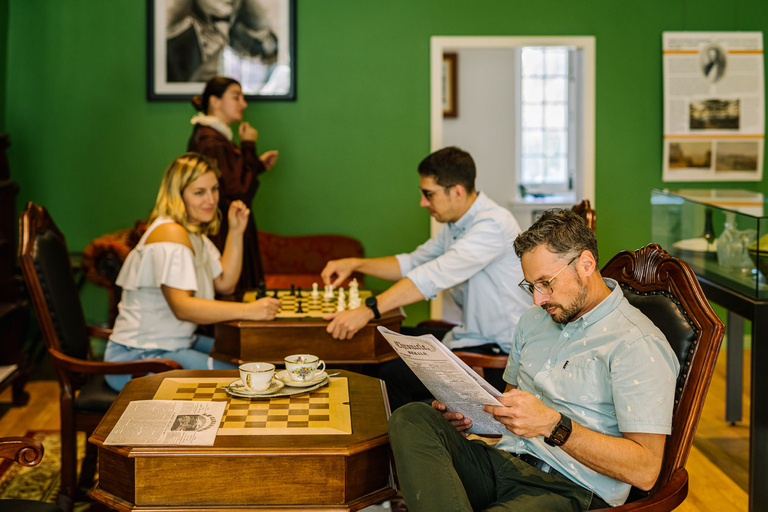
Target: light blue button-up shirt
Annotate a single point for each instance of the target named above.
(611, 370)
(474, 260)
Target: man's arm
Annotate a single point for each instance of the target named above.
(634, 458)
(345, 324)
(337, 271)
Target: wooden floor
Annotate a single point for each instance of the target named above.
(711, 488)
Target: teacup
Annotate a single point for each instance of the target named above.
(257, 376)
(303, 367)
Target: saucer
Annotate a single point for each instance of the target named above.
(285, 378)
(238, 389)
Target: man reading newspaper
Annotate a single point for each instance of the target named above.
(588, 404)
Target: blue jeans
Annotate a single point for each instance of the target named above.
(193, 358)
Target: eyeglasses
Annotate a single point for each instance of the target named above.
(429, 193)
(543, 287)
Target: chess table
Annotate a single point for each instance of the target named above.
(339, 461)
(271, 341)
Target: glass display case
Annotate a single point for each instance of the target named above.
(722, 234)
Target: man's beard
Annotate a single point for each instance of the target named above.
(566, 314)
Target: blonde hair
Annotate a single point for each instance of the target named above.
(170, 203)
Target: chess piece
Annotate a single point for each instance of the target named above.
(315, 293)
(293, 290)
(274, 294)
(299, 309)
(298, 292)
(340, 305)
(328, 291)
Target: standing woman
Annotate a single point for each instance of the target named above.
(170, 278)
(220, 106)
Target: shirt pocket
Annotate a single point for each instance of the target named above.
(583, 381)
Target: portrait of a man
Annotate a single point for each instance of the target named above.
(713, 62)
(248, 40)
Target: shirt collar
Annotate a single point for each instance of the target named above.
(610, 303)
(213, 122)
(469, 216)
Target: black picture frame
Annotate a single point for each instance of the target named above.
(260, 54)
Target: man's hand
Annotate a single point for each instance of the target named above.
(341, 269)
(523, 414)
(459, 422)
(345, 324)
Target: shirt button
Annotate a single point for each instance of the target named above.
(565, 334)
(521, 443)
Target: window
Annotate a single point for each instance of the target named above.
(548, 116)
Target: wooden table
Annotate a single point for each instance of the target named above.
(250, 472)
(272, 341)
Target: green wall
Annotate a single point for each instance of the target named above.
(88, 145)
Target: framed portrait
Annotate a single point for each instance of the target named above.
(191, 41)
(450, 89)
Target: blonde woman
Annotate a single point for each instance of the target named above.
(170, 278)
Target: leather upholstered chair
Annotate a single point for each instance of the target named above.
(27, 452)
(666, 290)
(84, 394)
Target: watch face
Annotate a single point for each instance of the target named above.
(370, 301)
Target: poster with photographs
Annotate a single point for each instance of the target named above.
(713, 106)
(252, 41)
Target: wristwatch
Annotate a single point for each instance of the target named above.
(372, 303)
(561, 432)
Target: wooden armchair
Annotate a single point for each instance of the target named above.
(84, 395)
(667, 291)
(27, 452)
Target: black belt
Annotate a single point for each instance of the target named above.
(536, 462)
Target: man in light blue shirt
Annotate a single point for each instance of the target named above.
(589, 400)
(472, 258)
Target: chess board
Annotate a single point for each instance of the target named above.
(311, 307)
(322, 411)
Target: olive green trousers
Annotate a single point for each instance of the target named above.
(439, 470)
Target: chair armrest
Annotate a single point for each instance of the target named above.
(668, 497)
(99, 332)
(437, 324)
(140, 367)
(24, 450)
(483, 360)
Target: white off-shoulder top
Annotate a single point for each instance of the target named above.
(145, 319)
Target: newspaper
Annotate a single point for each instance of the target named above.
(714, 106)
(167, 422)
(448, 378)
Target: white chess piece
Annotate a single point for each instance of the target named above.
(354, 301)
(315, 293)
(328, 291)
(353, 285)
(340, 305)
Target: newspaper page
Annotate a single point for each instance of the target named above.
(714, 126)
(448, 378)
(168, 422)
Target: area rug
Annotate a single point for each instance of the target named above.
(41, 482)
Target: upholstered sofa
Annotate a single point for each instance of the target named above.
(287, 260)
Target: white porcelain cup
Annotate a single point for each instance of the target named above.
(303, 367)
(257, 376)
